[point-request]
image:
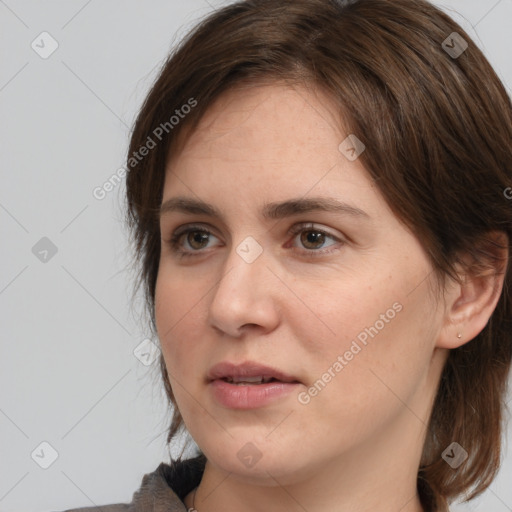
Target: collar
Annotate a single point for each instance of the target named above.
(164, 489)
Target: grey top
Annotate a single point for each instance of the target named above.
(163, 490)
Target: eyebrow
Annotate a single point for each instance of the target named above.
(269, 211)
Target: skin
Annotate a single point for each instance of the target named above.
(356, 445)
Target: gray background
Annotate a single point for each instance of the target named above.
(68, 373)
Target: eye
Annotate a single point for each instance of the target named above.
(196, 237)
(190, 240)
(313, 238)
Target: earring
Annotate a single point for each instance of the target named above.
(459, 335)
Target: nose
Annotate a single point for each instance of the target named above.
(245, 297)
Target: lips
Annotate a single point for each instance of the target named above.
(249, 385)
(249, 373)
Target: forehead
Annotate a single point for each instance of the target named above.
(275, 142)
(254, 119)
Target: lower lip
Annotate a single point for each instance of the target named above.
(250, 396)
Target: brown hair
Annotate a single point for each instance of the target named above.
(438, 134)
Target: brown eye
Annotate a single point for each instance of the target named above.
(312, 239)
(197, 239)
(190, 241)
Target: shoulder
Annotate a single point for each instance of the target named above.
(162, 489)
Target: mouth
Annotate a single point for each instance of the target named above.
(249, 385)
(249, 381)
(248, 373)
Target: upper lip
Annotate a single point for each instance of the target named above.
(227, 369)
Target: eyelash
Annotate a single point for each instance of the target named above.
(174, 241)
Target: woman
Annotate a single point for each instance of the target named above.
(317, 192)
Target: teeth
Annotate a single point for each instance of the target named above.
(248, 380)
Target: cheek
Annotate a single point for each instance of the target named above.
(177, 311)
(381, 326)
(177, 322)
(353, 307)
(377, 360)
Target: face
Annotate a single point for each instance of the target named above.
(338, 300)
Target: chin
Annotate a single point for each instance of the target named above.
(257, 460)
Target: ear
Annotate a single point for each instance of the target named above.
(470, 303)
